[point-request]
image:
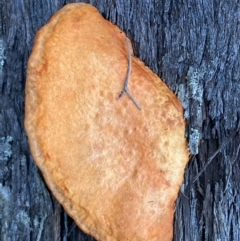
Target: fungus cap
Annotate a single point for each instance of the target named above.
(115, 169)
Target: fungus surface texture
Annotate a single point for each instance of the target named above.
(116, 169)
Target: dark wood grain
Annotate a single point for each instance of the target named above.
(194, 46)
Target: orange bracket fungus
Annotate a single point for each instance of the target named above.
(115, 169)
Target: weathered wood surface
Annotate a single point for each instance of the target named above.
(194, 46)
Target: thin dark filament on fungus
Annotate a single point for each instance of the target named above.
(125, 88)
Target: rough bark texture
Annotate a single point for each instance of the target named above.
(194, 46)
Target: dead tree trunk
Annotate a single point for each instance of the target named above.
(194, 46)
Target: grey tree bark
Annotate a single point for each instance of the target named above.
(194, 46)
